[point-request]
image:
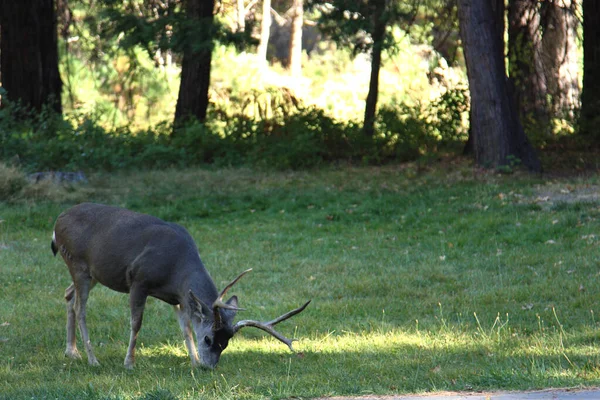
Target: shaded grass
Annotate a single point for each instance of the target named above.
(442, 280)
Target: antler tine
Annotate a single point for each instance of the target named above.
(268, 326)
(233, 282)
(219, 303)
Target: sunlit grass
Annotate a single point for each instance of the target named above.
(419, 282)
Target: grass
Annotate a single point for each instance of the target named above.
(421, 280)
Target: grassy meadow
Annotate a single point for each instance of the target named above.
(421, 279)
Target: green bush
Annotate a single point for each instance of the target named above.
(12, 181)
(293, 137)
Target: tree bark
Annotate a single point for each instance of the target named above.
(377, 36)
(498, 137)
(590, 98)
(559, 45)
(29, 48)
(295, 59)
(525, 66)
(192, 101)
(265, 32)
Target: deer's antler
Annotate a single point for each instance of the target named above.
(219, 303)
(268, 326)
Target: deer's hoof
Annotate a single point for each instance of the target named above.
(129, 363)
(73, 353)
(93, 362)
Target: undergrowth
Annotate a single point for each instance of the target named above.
(279, 133)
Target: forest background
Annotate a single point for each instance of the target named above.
(109, 84)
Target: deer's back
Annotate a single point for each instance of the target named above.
(120, 246)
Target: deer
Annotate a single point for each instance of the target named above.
(135, 253)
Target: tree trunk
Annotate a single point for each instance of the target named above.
(295, 59)
(192, 101)
(590, 98)
(241, 16)
(498, 137)
(525, 66)
(378, 36)
(29, 50)
(559, 45)
(265, 32)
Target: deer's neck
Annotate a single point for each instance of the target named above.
(202, 285)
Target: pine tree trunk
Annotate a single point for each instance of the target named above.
(295, 59)
(525, 64)
(590, 98)
(560, 59)
(497, 135)
(265, 32)
(378, 36)
(192, 101)
(29, 48)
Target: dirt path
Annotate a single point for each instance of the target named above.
(548, 394)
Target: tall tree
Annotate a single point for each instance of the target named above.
(240, 13)
(378, 36)
(496, 131)
(525, 67)
(560, 57)
(265, 30)
(29, 62)
(362, 25)
(192, 101)
(295, 59)
(590, 98)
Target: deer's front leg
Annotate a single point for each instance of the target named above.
(137, 302)
(186, 328)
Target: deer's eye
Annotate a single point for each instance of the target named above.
(207, 340)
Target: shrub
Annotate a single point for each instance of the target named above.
(292, 136)
(12, 181)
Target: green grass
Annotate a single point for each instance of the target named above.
(421, 281)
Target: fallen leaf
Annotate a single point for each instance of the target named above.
(527, 306)
(4, 324)
(550, 241)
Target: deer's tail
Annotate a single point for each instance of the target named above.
(53, 244)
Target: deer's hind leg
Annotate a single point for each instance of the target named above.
(71, 350)
(76, 303)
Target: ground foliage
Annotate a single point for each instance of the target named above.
(423, 277)
(280, 133)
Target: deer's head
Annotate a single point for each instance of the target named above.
(214, 327)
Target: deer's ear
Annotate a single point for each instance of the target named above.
(198, 306)
(233, 301)
(227, 314)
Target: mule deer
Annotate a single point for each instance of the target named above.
(145, 256)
